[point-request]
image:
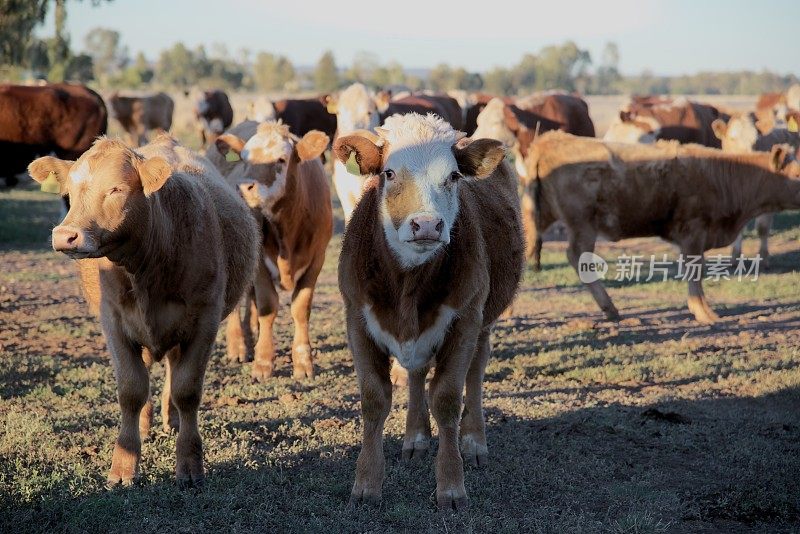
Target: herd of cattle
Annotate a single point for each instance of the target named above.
(435, 242)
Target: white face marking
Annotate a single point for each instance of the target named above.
(413, 353)
(355, 110)
(740, 136)
(81, 174)
(625, 132)
(492, 125)
(266, 148)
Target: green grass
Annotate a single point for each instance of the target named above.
(572, 446)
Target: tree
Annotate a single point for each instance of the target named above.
(103, 45)
(271, 72)
(17, 20)
(326, 77)
(607, 76)
(440, 78)
(176, 66)
(79, 68)
(558, 67)
(363, 69)
(498, 81)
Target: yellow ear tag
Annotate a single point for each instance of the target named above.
(50, 184)
(793, 126)
(332, 108)
(352, 166)
(232, 156)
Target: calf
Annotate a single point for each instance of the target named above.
(165, 250)
(694, 197)
(282, 178)
(139, 114)
(432, 256)
(214, 111)
(740, 135)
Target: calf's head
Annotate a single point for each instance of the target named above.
(420, 162)
(266, 159)
(355, 110)
(108, 188)
(739, 134)
(630, 128)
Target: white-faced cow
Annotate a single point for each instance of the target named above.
(431, 257)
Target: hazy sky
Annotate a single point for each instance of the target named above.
(667, 37)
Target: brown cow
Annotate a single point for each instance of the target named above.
(695, 197)
(432, 256)
(213, 110)
(740, 135)
(35, 121)
(444, 106)
(166, 250)
(680, 120)
(139, 114)
(282, 178)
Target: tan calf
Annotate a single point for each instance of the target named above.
(696, 197)
(431, 257)
(165, 250)
(282, 178)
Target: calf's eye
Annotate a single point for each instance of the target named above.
(388, 175)
(455, 176)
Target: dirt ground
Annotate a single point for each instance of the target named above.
(652, 424)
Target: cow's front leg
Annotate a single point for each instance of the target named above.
(302, 296)
(187, 369)
(133, 391)
(267, 309)
(698, 304)
(763, 227)
(447, 385)
(582, 240)
(473, 429)
(418, 422)
(372, 367)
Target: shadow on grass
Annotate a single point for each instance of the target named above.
(726, 464)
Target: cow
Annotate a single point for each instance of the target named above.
(301, 115)
(478, 102)
(165, 249)
(741, 135)
(663, 118)
(695, 197)
(432, 255)
(139, 114)
(516, 125)
(282, 178)
(214, 112)
(60, 119)
(444, 106)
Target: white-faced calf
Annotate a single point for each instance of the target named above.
(165, 250)
(431, 257)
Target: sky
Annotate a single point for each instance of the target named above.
(664, 37)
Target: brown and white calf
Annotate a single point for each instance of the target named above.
(432, 255)
(282, 179)
(165, 250)
(695, 197)
(740, 135)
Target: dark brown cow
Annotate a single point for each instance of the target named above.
(166, 249)
(571, 112)
(680, 120)
(442, 105)
(305, 115)
(35, 121)
(695, 197)
(215, 114)
(431, 257)
(139, 114)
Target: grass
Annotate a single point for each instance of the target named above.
(575, 443)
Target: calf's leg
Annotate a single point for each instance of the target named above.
(170, 420)
(372, 367)
(234, 334)
(418, 422)
(533, 238)
(698, 304)
(267, 307)
(763, 226)
(582, 240)
(473, 429)
(146, 415)
(302, 296)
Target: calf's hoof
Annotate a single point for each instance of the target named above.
(612, 314)
(262, 371)
(302, 362)
(416, 448)
(398, 374)
(237, 352)
(363, 496)
(452, 500)
(190, 481)
(473, 452)
(124, 467)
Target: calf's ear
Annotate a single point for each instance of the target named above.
(720, 127)
(312, 145)
(153, 173)
(229, 143)
(780, 157)
(480, 157)
(51, 170)
(362, 146)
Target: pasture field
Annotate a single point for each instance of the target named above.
(652, 424)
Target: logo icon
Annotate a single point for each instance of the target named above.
(591, 267)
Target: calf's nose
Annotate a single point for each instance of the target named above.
(67, 238)
(427, 227)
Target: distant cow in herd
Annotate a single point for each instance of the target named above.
(214, 112)
(432, 255)
(165, 250)
(282, 179)
(692, 196)
(60, 119)
(140, 114)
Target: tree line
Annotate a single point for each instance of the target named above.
(104, 61)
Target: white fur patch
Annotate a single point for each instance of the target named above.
(349, 188)
(81, 174)
(413, 353)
